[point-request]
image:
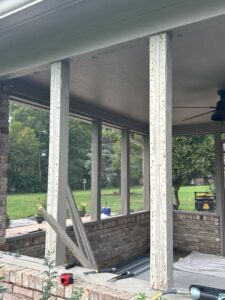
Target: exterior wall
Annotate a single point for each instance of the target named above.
(3, 163)
(197, 231)
(26, 283)
(112, 240)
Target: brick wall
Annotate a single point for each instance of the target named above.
(3, 162)
(112, 240)
(197, 231)
(24, 280)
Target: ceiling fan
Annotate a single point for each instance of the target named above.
(218, 112)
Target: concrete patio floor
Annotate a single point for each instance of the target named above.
(182, 280)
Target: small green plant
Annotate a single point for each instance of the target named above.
(77, 294)
(141, 296)
(82, 210)
(50, 274)
(2, 288)
(41, 202)
(8, 221)
(83, 206)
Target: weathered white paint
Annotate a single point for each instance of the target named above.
(58, 156)
(66, 240)
(125, 172)
(81, 233)
(146, 173)
(161, 218)
(219, 182)
(74, 218)
(96, 171)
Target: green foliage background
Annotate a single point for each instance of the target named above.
(28, 152)
(193, 156)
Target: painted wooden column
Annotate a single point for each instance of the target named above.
(146, 173)
(58, 156)
(219, 182)
(96, 171)
(161, 218)
(125, 172)
(4, 131)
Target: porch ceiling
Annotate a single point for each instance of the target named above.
(116, 78)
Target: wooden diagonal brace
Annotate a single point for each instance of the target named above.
(80, 228)
(66, 239)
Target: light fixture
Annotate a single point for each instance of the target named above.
(9, 7)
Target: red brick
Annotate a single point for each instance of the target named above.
(26, 277)
(8, 286)
(13, 274)
(39, 282)
(60, 290)
(9, 296)
(23, 291)
(32, 279)
(68, 291)
(6, 272)
(36, 295)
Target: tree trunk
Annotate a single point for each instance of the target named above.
(206, 180)
(176, 201)
(39, 160)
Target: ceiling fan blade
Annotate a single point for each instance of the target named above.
(194, 107)
(209, 112)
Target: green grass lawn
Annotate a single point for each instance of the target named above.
(187, 194)
(114, 201)
(22, 205)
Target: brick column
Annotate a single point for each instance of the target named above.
(4, 129)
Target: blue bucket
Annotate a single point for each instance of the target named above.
(106, 211)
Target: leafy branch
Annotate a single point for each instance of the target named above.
(141, 296)
(48, 283)
(77, 294)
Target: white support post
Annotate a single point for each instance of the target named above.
(58, 157)
(146, 173)
(4, 146)
(219, 181)
(96, 171)
(125, 172)
(161, 217)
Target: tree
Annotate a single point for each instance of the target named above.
(23, 158)
(193, 157)
(33, 124)
(38, 121)
(111, 157)
(79, 148)
(136, 158)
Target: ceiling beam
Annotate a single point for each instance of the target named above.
(203, 128)
(26, 92)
